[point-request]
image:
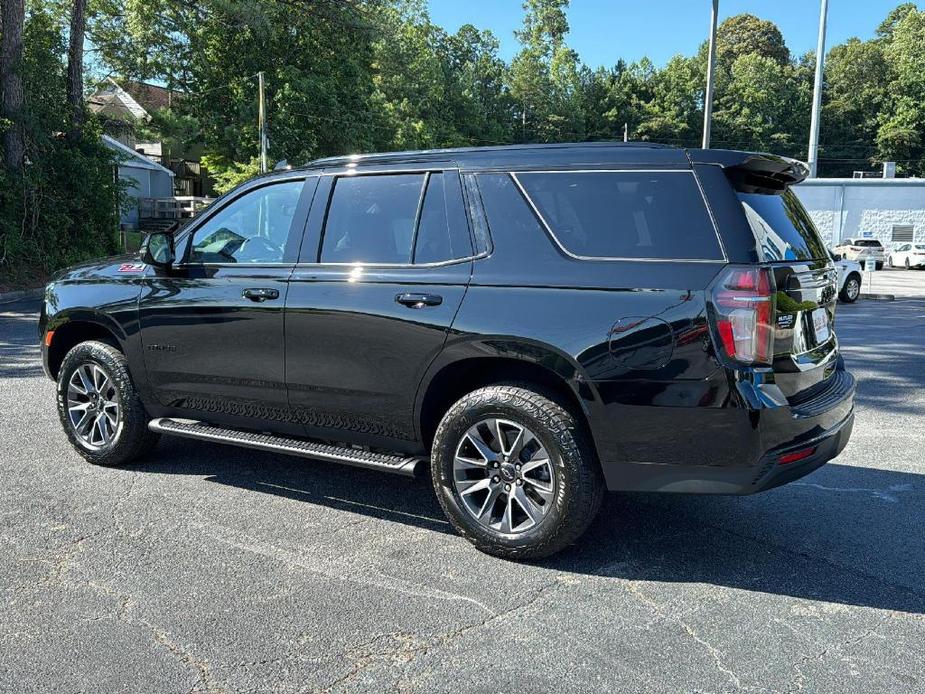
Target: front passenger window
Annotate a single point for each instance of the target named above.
(254, 228)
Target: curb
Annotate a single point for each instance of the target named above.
(10, 297)
(878, 297)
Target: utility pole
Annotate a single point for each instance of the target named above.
(711, 67)
(626, 132)
(262, 123)
(813, 155)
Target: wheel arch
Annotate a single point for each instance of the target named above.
(76, 327)
(468, 366)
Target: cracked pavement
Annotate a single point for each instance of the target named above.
(214, 569)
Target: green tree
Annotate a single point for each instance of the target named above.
(752, 112)
(897, 14)
(900, 136)
(482, 106)
(674, 112)
(746, 34)
(545, 82)
(857, 78)
(63, 206)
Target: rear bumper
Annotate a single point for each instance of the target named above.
(772, 473)
(758, 438)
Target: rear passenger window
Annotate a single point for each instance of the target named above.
(625, 214)
(371, 219)
(396, 219)
(442, 232)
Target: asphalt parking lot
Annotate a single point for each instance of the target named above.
(208, 569)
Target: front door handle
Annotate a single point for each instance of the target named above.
(261, 294)
(419, 300)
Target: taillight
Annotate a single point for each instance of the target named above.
(743, 303)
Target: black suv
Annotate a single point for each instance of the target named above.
(534, 324)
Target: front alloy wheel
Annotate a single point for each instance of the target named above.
(93, 408)
(101, 411)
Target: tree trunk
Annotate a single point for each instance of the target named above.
(12, 15)
(75, 72)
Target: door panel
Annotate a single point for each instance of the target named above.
(355, 355)
(213, 331)
(356, 346)
(211, 350)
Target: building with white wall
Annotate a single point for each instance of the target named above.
(144, 179)
(889, 209)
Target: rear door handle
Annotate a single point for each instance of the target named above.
(419, 300)
(260, 294)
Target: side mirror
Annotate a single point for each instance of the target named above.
(836, 256)
(159, 250)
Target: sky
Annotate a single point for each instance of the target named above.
(603, 31)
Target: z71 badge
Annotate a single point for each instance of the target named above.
(132, 267)
(785, 320)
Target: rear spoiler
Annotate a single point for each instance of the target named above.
(753, 172)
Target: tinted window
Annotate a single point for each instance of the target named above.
(782, 227)
(253, 228)
(625, 214)
(868, 243)
(371, 219)
(442, 232)
(500, 208)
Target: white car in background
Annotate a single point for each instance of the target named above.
(849, 278)
(861, 250)
(907, 255)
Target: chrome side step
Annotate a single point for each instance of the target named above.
(280, 444)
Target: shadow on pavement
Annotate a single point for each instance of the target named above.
(845, 534)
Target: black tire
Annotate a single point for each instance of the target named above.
(848, 294)
(132, 438)
(879, 265)
(907, 263)
(889, 262)
(579, 482)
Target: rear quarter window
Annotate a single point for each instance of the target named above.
(624, 214)
(782, 227)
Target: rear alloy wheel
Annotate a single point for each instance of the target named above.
(515, 473)
(503, 475)
(852, 289)
(99, 407)
(889, 262)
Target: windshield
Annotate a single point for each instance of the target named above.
(782, 227)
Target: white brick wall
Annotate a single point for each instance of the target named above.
(845, 208)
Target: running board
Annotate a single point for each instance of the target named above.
(281, 444)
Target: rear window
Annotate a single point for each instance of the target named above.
(625, 214)
(782, 226)
(868, 243)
